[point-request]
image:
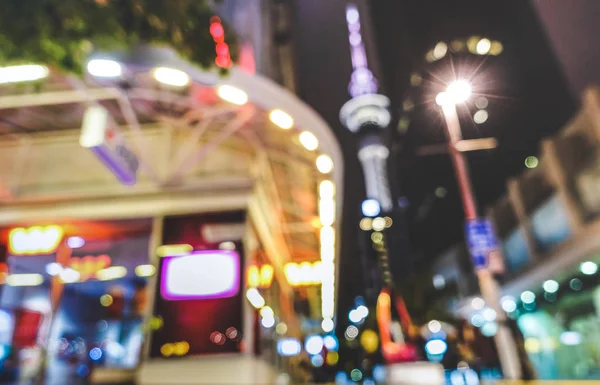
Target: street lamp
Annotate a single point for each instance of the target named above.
(481, 238)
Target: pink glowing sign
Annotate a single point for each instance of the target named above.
(201, 275)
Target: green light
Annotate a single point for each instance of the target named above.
(356, 375)
(531, 162)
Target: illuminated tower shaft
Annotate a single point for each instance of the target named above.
(367, 115)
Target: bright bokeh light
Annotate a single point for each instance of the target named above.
(324, 164)
(75, 242)
(588, 268)
(489, 329)
(268, 322)
(378, 224)
(34, 240)
(232, 95)
(327, 211)
(69, 275)
(440, 50)
(551, 286)
(104, 68)
(363, 311)
(303, 274)
(327, 325)
(477, 320)
(331, 343)
(53, 269)
(477, 303)
(434, 326)
(570, 338)
(531, 162)
(106, 300)
(576, 284)
(110, 273)
(24, 280)
(369, 341)
(281, 119)
(483, 46)
(458, 91)
(281, 328)
(309, 140)
(326, 189)
(173, 250)
(351, 332)
(356, 375)
(255, 298)
(481, 102)
(436, 347)
(332, 358)
(439, 282)
(145, 270)
(366, 224)
(489, 315)
(508, 304)
(528, 297)
(442, 99)
(171, 77)
(23, 73)
(313, 344)
(288, 347)
(370, 207)
(496, 48)
(354, 316)
(267, 312)
(480, 116)
(95, 354)
(316, 361)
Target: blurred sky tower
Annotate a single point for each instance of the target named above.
(367, 115)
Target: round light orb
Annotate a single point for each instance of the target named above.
(459, 91)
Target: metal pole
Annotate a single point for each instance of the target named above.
(505, 343)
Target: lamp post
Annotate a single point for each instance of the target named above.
(480, 234)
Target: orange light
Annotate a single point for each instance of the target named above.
(34, 240)
(259, 277)
(88, 266)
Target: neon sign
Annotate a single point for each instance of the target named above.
(201, 275)
(260, 277)
(304, 274)
(89, 265)
(34, 240)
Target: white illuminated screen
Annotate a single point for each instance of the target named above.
(201, 275)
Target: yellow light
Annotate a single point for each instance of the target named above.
(472, 44)
(309, 141)
(496, 48)
(531, 162)
(267, 312)
(332, 358)
(167, 350)
(304, 274)
(378, 224)
(232, 95)
(458, 91)
(34, 240)
(483, 46)
(110, 273)
(326, 212)
(388, 222)
(145, 270)
(255, 298)
(281, 119)
(327, 325)
(181, 348)
(533, 345)
(171, 77)
(366, 224)
(327, 238)
(22, 73)
(377, 237)
(173, 250)
(253, 277)
(480, 116)
(440, 50)
(106, 300)
(156, 323)
(281, 328)
(24, 280)
(324, 164)
(326, 189)
(369, 341)
(266, 276)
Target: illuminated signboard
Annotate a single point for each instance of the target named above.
(101, 135)
(260, 277)
(34, 240)
(89, 265)
(201, 275)
(304, 274)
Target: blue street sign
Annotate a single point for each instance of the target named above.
(481, 241)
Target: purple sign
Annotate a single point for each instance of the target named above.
(101, 135)
(200, 275)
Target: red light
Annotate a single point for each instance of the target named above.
(217, 31)
(223, 61)
(215, 19)
(222, 49)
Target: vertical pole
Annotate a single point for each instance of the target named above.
(505, 343)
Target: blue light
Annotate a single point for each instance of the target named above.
(288, 347)
(341, 378)
(313, 344)
(370, 208)
(95, 354)
(379, 373)
(3, 352)
(331, 343)
(317, 360)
